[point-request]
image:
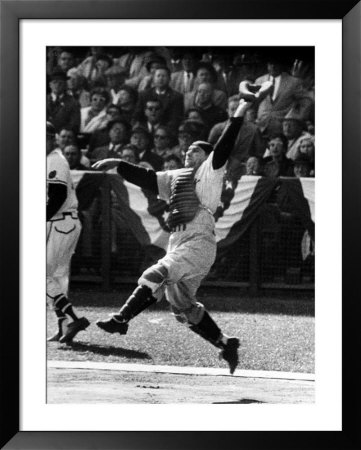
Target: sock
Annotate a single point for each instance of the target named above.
(61, 304)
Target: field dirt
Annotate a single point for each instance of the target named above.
(116, 387)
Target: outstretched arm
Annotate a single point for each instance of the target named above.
(142, 177)
(225, 143)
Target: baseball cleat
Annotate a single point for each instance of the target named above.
(73, 329)
(112, 326)
(61, 329)
(230, 353)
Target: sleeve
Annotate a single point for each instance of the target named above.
(225, 143)
(142, 177)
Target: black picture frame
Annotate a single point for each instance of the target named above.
(12, 12)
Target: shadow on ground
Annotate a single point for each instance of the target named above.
(244, 401)
(105, 351)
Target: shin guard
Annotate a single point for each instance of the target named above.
(140, 300)
(208, 329)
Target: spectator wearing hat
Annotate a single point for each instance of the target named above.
(115, 77)
(249, 141)
(78, 87)
(277, 164)
(287, 94)
(172, 101)
(293, 128)
(188, 132)
(142, 140)
(152, 63)
(302, 166)
(118, 135)
(94, 117)
(203, 103)
(183, 80)
(62, 110)
(206, 73)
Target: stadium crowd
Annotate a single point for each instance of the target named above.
(148, 104)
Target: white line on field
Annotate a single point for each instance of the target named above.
(87, 365)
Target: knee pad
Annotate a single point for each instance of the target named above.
(190, 316)
(154, 278)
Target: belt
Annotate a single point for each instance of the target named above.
(73, 214)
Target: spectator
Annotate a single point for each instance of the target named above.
(302, 166)
(162, 142)
(221, 69)
(94, 117)
(292, 126)
(142, 139)
(183, 80)
(210, 113)
(277, 164)
(134, 63)
(127, 101)
(287, 94)
(77, 88)
(152, 63)
(130, 154)
(101, 137)
(61, 108)
(66, 138)
(172, 101)
(87, 68)
(73, 155)
(306, 147)
(244, 67)
(206, 74)
(249, 141)
(118, 132)
(115, 77)
(103, 63)
(172, 162)
(253, 166)
(153, 113)
(65, 61)
(188, 132)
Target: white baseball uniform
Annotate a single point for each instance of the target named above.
(63, 229)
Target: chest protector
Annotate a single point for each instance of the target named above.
(183, 201)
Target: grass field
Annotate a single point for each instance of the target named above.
(276, 333)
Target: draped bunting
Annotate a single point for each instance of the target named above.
(240, 205)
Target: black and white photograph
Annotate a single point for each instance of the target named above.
(174, 289)
(180, 224)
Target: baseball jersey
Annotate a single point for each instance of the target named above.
(208, 183)
(58, 172)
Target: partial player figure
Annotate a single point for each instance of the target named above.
(62, 233)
